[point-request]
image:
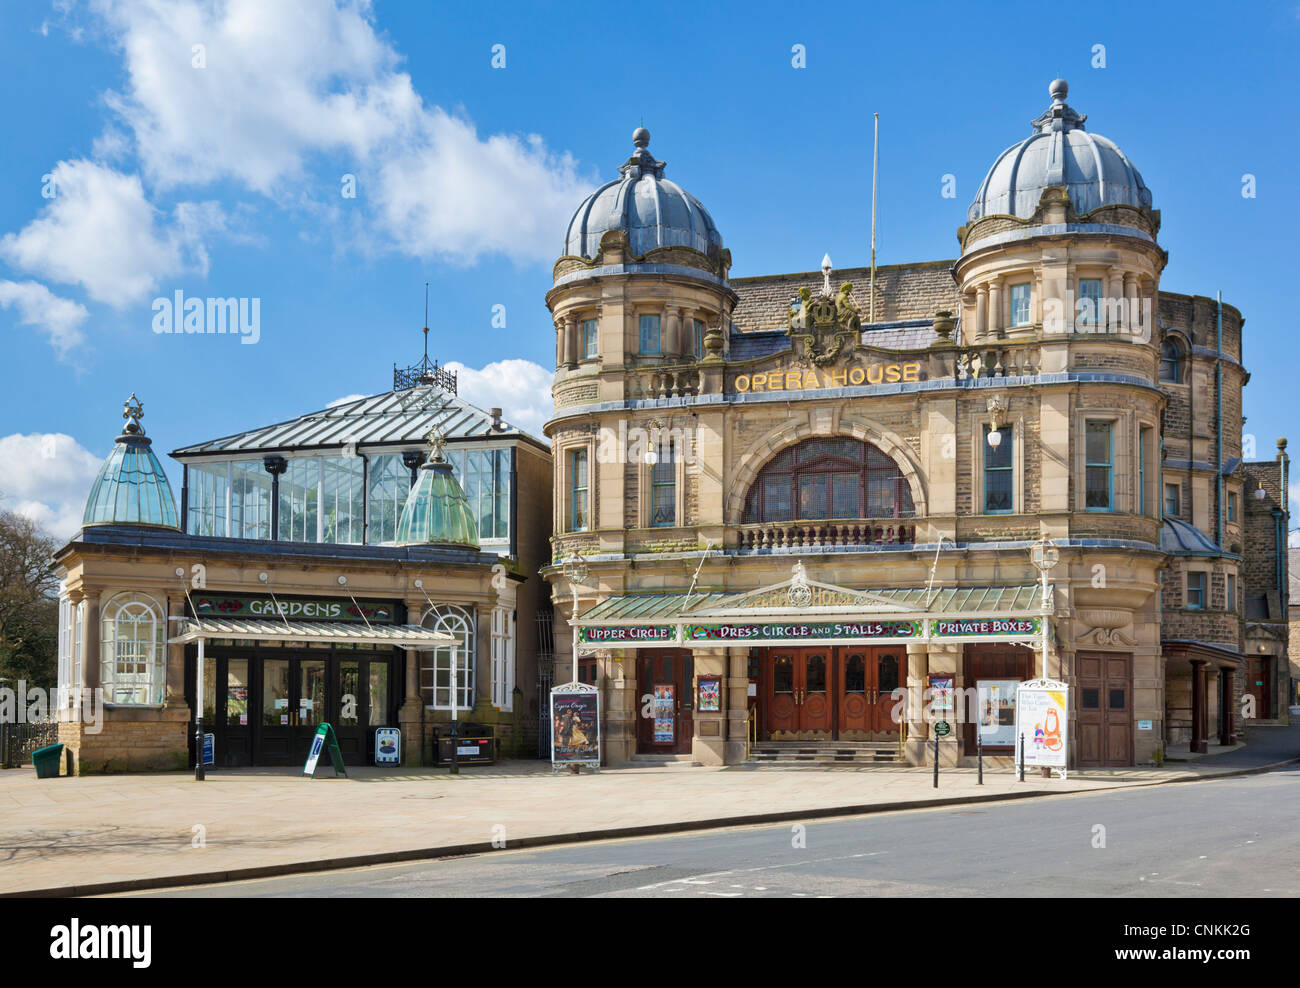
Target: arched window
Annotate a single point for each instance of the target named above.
(829, 478)
(435, 672)
(1171, 361)
(133, 650)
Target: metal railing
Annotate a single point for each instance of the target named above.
(18, 741)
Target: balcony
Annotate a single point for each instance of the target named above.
(829, 533)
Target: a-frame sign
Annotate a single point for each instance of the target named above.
(324, 735)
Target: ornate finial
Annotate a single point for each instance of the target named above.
(641, 137)
(826, 275)
(133, 413)
(1058, 90)
(436, 442)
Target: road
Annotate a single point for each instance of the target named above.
(1231, 837)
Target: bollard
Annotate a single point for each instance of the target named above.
(936, 761)
(979, 752)
(1020, 772)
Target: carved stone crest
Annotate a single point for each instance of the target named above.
(824, 327)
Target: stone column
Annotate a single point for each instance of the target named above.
(1199, 743)
(736, 700)
(174, 693)
(708, 747)
(914, 714)
(1134, 314)
(1229, 726)
(559, 344)
(995, 307)
(981, 312)
(408, 715)
(570, 342)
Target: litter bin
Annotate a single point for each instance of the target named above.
(46, 761)
(475, 744)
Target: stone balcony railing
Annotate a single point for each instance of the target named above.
(665, 382)
(829, 533)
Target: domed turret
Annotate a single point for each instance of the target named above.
(1094, 171)
(131, 488)
(649, 209)
(436, 511)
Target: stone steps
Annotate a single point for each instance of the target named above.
(825, 753)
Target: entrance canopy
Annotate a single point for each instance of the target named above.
(803, 611)
(410, 636)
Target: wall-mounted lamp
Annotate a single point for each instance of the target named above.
(997, 407)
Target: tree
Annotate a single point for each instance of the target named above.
(29, 609)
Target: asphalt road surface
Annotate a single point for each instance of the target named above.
(1232, 837)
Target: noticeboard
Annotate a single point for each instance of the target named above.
(575, 725)
(1042, 719)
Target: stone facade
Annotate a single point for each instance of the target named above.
(1122, 418)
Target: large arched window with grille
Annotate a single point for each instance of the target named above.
(133, 650)
(829, 478)
(436, 671)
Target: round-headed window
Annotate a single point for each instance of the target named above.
(829, 479)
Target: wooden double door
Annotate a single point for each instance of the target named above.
(841, 692)
(1105, 709)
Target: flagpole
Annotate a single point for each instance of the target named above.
(875, 168)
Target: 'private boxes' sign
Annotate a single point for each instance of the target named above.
(293, 608)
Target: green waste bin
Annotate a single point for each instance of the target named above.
(46, 761)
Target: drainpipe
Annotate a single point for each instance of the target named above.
(1218, 420)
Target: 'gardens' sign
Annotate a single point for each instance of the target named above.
(293, 608)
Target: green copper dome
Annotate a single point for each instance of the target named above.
(131, 488)
(437, 511)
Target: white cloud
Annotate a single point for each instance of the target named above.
(99, 231)
(520, 388)
(345, 400)
(284, 84)
(47, 476)
(59, 318)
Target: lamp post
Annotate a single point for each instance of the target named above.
(1045, 555)
(575, 571)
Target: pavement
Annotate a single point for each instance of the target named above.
(100, 834)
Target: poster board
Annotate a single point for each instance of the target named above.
(575, 725)
(1042, 716)
(997, 712)
(388, 746)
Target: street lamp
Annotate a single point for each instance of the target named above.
(1044, 555)
(575, 571)
(997, 408)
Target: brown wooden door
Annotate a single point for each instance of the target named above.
(666, 721)
(1105, 723)
(1259, 672)
(865, 682)
(799, 696)
(887, 666)
(816, 710)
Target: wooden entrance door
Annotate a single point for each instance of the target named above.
(1105, 709)
(799, 692)
(865, 681)
(1259, 684)
(666, 714)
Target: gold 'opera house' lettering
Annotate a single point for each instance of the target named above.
(840, 377)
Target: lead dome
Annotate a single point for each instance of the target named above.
(1060, 152)
(651, 210)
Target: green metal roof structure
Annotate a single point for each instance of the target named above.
(131, 488)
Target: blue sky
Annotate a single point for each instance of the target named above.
(225, 179)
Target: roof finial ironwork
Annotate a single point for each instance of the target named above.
(133, 413)
(426, 373)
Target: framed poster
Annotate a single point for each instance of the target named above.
(941, 694)
(1042, 717)
(997, 712)
(710, 700)
(664, 709)
(575, 725)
